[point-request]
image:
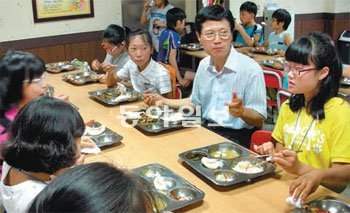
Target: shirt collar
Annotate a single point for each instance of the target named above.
(230, 64)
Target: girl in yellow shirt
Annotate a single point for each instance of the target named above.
(312, 128)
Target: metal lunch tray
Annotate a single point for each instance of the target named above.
(345, 81)
(237, 44)
(106, 138)
(192, 46)
(81, 78)
(112, 96)
(325, 203)
(172, 191)
(193, 159)
(263, 50)
(60, 66)
(273, 63)
(160, 125)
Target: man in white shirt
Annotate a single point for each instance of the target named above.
(229, 87)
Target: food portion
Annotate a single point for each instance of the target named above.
(132, 115)
(224, 154)
(182, 194)
(159, 202)
(163, 183)
(94, 128)
(212, 163)
(224, 176)
(247, 167)
(109, 94)
(152, 172)
(195, 156)
(173, 117)
(263, 50)
(60, 66)
(147, 119)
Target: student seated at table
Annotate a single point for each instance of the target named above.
(170, 44)
(44, 141)
(229, 86)
(114, 42)
(95, 187)
(249, 33)
(145, 74)
(21, 80)
(279, 39)
(312, 129)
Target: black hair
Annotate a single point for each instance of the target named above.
(250, 7)
(173, 15)
(213, 13)
(318, 49)
(146, 37)
(282, 15)
(94, 187)
(166, 2)
(43, 136)
(115, 34)
(15, 67)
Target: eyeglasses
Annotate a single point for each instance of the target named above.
(108, 48)
(35, 80)
(295, 70)
(211, 35)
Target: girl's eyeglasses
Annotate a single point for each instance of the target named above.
(108, 48)
(295, 70)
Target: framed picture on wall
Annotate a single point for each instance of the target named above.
(54, 10)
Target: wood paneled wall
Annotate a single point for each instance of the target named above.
(82, 46)
(87, 46)
(332, 24)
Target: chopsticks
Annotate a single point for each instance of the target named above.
(268, 155)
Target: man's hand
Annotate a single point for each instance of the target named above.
(236, 106)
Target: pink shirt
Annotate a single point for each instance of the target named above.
(11, 114)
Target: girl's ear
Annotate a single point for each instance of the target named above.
(323, 73)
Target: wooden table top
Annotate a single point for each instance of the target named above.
(138, 149)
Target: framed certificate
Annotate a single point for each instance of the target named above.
(54, 10)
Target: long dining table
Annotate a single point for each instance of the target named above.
(265, 194)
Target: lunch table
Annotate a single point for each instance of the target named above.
(137, 148)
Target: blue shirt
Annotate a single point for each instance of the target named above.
(276, 41)
(168, 40)
(252, 33)
(157, 15)
(212, 89)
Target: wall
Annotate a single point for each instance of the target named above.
(298, 6)
(80, 38)
(16, 20)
